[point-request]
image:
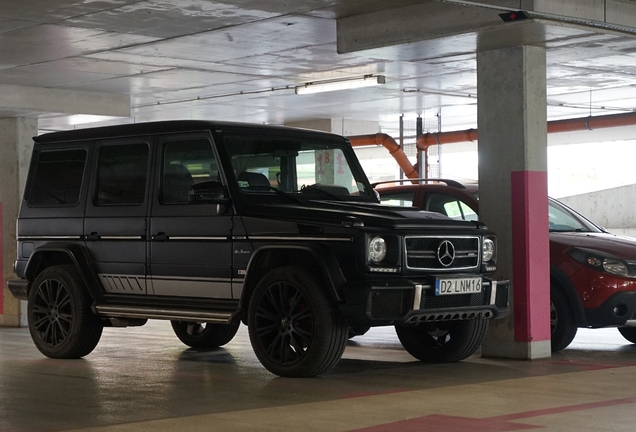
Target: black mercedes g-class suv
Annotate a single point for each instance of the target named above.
(210, 224)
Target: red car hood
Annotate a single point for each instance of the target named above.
(621, 247)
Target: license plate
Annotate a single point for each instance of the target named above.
(453, 286)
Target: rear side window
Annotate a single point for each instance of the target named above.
(58, 178)
(121, 174)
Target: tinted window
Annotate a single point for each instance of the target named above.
(186, 163)
(58, 178)
(294, 165)
(121, 175)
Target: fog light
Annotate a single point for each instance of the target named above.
(620, 310)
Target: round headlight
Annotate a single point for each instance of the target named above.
(377, 249)
(487, 250)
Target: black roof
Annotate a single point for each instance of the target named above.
(148, 128)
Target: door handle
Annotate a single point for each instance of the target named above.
(160, 236)
(93, 236)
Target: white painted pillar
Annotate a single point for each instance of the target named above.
(511, 94)
(16, 145)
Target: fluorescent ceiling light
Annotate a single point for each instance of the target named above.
(343, 84)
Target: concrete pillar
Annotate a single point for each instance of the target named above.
(16, 145)
(338, 126)
(511, 94)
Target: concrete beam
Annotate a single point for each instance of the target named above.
(38, 99)
(480, 19)
(410, 24)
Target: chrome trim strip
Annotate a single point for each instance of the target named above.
(417, 300)
(199, 279)
(107, 237)
(493, 292)
(167, 314)
(24, 238)
(334, 239)
(196, 238)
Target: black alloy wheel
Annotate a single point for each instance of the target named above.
(294, 329)
(61, 322)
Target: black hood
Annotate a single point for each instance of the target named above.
(349, 212)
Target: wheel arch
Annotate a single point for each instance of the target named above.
(561, 281)
(269, 257)
(65, 254)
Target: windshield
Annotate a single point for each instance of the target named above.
(563, 219)
(296, 168)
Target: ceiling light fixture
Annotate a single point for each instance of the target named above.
(342, 84)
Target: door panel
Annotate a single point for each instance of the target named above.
(116, 215)
(191, 244)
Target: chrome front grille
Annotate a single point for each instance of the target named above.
(432, 253)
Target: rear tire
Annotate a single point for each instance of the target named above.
(628, 333)
(61, 322)
(294, 329)
(443, 341)
(204, 335)
(562, 326)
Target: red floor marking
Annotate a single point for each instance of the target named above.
(570, 408)
(589, 366)
(365, 394)
(439, 423)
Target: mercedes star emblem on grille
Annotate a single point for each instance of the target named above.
(446, 253)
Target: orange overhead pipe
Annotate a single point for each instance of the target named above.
(591, 123)
(393, 147)
(569, 125)
(424, 141)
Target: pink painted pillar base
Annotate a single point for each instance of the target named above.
(530, 256)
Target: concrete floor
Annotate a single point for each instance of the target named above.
(143, 379)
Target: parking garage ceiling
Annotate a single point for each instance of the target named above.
(240, 60)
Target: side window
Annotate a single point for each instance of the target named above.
(185, 164)
(121, 174)
(401, 199)
(58, 178)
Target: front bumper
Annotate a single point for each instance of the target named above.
(615, 311)
(389, 305)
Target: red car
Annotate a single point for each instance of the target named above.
(592, 272)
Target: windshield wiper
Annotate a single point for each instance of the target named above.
(317, 188)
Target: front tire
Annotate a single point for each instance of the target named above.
(294, 329)
(562, 325)
(443, 341)
(61, 322)
(628, 333)
(204, 335)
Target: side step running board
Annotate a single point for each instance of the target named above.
(162, 313)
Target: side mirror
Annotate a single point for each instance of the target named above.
(210, 192)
